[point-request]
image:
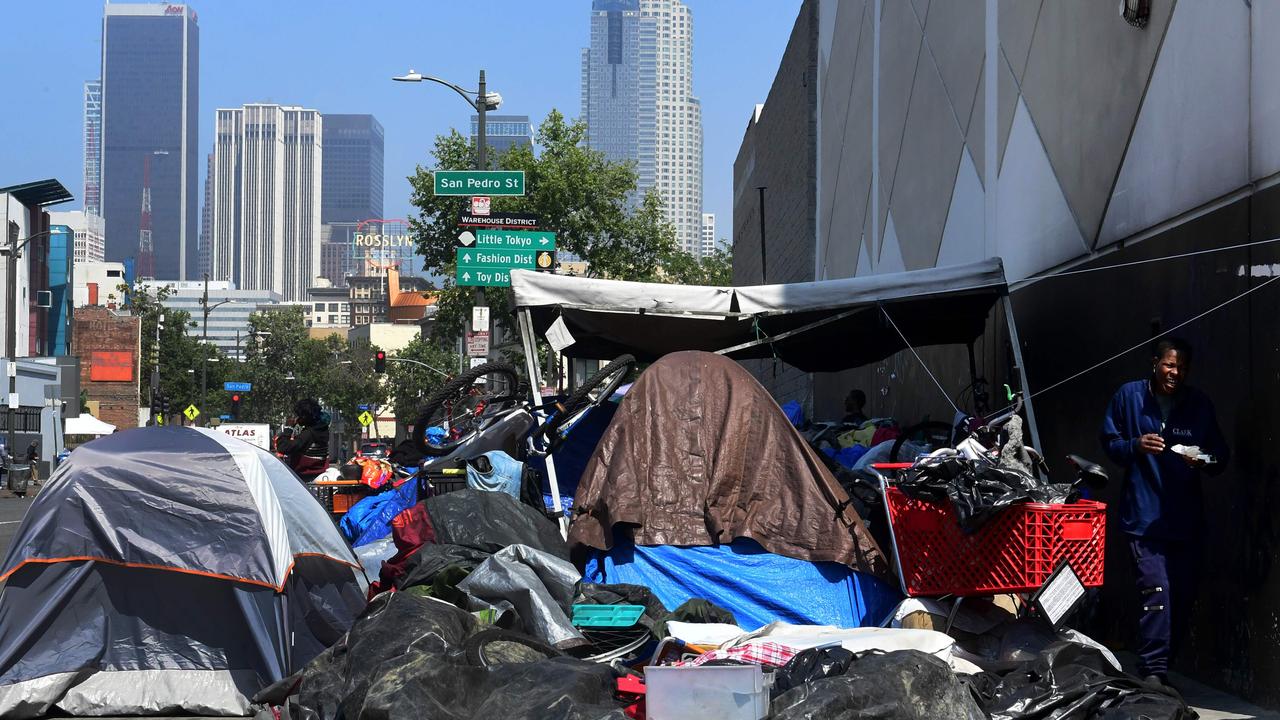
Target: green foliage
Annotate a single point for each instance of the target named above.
(578, 194)
(714, 269)
(412, 384)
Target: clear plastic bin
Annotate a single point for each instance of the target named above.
(729, 692)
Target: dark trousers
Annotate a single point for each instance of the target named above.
(1166, 576)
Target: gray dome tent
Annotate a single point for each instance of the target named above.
(168, 570)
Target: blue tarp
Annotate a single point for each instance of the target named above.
(757, 586)
(370, 519)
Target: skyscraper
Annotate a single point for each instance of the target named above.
(503, 132)
(206, 219)
(708, 234)
(265, 231)
(93, 146)
(353, 147)
(638, 102)
(150, 105)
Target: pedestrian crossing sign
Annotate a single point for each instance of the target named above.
(365, 418)
(192, 412)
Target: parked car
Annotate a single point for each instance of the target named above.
(377, 450)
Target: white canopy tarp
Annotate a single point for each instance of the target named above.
(86, 424)
(815, 326)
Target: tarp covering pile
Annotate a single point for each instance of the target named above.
(168, 570)
(699, 454)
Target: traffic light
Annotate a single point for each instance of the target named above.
(235, 406)
(156, 409)
(380, 362)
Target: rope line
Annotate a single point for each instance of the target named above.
(1157, 336)
(1064, 273)
(921, 361)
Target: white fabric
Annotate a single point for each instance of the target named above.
(536, 289)
(857, 640)
(133, 692)
(264, 497)
(86, 424)
(533, 289)
(704, 633)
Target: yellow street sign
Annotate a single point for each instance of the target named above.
(192, 412)
(365, 418)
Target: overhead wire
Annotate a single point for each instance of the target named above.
(929, 372)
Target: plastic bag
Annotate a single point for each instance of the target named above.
(976, 488)
(903, 685)
(1069, 680)
(809, 665)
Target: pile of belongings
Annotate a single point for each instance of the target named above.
(977, 485)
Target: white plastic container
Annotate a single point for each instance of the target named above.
(727, 692)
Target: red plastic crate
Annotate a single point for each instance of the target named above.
(1014, 551)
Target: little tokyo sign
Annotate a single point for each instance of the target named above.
(479, 182)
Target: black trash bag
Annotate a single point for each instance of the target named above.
(490, 521)
(421, 687)
(809, 665)
(423, 567)
(977, 489)
(395, 625)
(1070, 680)
(903, 685)
(694, 611)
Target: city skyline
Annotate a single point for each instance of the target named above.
(735, 69)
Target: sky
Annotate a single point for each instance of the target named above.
(338, 57)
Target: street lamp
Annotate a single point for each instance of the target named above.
(204, 337)
(480, 101)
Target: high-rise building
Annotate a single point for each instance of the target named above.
(708, 235)
(503, 132)
(206, 215)
(89, 245)
(150, 105)
(93, 146)
(337, 259)
(265, 228)
(638, 102)
(353, 147)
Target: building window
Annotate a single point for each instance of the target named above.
(319, 307)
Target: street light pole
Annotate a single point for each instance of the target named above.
(481, 105)
(11, 330)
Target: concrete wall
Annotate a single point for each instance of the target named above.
(1096, 143)
(778, 153)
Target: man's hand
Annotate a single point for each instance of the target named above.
(1151, 444)
(1194, 462)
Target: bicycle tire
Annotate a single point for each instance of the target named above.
(581, 398)
(479, 652)
(455, 389)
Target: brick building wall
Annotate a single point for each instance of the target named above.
(98, 330)
(779, 153)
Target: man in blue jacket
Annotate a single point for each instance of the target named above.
(1161, 510)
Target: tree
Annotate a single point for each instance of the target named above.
(180, 355)
(713, 269)
(411, 384)
(584, 198)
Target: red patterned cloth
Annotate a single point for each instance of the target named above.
(765, 653)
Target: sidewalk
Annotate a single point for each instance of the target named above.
(1215, 704)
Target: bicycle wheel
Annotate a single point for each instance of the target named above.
(496, 646)
(464, 406)
(595, 390)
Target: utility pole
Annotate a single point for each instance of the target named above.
(204, 344)
(482, 103)
(11, 338)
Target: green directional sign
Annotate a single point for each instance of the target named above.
(479, 182)
(497, 257)
(532, 239)
(491, 267)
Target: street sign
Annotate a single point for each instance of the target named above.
(237, 386)
(529, 239)
(365, 418)
(479, 182)
(480, 318)
(484, 277)
(480, 205)
(478, 344)
(363, 407)
(192, 412)
(224, 417)
(512, 221)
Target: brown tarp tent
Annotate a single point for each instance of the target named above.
(700, 454)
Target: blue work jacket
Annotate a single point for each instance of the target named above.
(1162, 494)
